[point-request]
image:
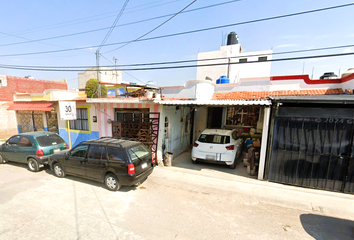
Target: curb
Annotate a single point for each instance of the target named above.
(318, 201)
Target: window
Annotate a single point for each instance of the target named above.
(81, 123)
(115, 155)
(242, 116)
(79, 151)
(167, 128)
(218, 139)
(25, 142)
(261, 59)
(242, 60)
(14, 141)
(49, 140)
(95, 151)
(138, 152)
(135, 115)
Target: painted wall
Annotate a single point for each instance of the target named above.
(106, 76)
(233, 54)
(105, 113)
(8, 123)
(77, 136)
(179, 129)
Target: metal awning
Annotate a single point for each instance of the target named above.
(337, 99)
(32, 106)
(216, 102)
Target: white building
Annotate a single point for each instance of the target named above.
(107, 76)
(231, 59)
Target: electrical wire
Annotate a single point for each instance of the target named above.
(105, 28)
(113, 25)
(154, 28)
(185, 66)
(187, 32)
(194, 60)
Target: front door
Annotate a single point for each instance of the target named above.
(214, 117)
(75, 163)
(96, 162)
(11, 149)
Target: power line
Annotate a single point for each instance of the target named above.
(105, 28)
(188, 32)
(185, 66)
(194, 60)
(154, 28)
(113, 25)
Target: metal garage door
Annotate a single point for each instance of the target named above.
(313, 147)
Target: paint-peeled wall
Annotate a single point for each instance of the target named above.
(178, 128)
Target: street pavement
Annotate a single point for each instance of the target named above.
(203, 202)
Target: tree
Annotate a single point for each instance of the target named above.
(91, 89)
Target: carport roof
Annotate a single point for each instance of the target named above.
(215, 102)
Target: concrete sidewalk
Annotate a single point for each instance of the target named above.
(238, 181)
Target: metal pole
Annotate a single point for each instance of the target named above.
(98, 72)
(68, 124)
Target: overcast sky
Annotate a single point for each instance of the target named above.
(24, 21)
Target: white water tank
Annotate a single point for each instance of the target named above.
(348, 72)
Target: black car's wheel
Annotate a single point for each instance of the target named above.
(111, 182)
(2, 160)
(33, 165)
(58, 170)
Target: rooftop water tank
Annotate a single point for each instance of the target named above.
(151, 84)
(348, 72)
(232, 38)
(223, 80)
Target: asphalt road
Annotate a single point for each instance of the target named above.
(42, 206)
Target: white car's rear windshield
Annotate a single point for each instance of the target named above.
(217, 139)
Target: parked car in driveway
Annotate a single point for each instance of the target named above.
(33, 148)
(218, 146)
(114, 162)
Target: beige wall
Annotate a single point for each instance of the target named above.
(8, 123)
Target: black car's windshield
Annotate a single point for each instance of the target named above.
(210, 138)
(138, 151)
(49, 140)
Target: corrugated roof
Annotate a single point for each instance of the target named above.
(216, 102)
(243, 95)
(32, 106)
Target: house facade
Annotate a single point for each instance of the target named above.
(9, 86)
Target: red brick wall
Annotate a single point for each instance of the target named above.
(26, 85)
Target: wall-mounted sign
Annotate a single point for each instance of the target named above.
(67, 110)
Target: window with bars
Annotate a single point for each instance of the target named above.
(81, 122)
(245, 115)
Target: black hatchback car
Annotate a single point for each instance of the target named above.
(112, 161)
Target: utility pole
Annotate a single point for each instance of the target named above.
(98, 72)
(115, 67)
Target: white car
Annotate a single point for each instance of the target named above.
(218, 146)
